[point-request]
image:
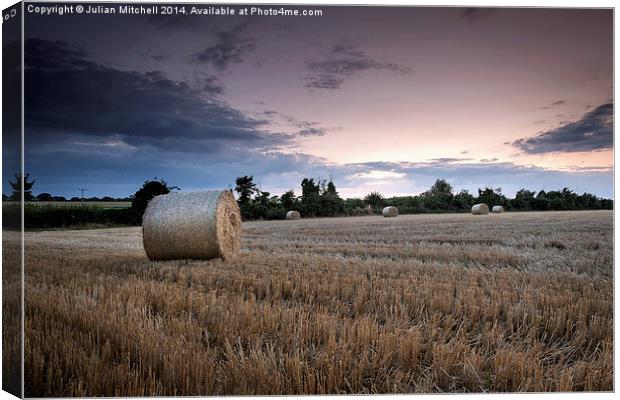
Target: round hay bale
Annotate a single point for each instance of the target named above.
(497, 209)
(390, 211)
(199, 225)
(480, 209)
(293, 215)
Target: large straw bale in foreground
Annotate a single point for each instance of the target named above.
(480, 209)
(390, 211)
(497, 209)
(199, 225)
(293, 215)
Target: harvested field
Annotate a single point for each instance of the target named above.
(431, 303)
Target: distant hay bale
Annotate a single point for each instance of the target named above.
(198, 225)
(480, 209)
(497, 209)
(390, 211)
(293, 215)
(358, 211)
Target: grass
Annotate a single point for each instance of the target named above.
(432, 303)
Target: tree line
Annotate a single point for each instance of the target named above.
(319, 198)
(16, 193)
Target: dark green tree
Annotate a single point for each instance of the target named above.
(149, 189)
(44, 197)
(375, 200)
(439, 196)
(288, 200)
(331, 203)
(491, 197)
(310, 197)
(16, 194)
(246, 188)
(263, 205)
(524, 200)
(589, 201)
(463, 200)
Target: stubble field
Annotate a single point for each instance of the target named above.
(434, 303)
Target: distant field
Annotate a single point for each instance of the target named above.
(103, 204)
(418, 303)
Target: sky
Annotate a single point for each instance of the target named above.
(375, 98)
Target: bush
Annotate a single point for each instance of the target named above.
(149, 189)
(46, 217)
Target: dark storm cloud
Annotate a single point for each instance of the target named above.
(594, 131)
(231, 48)
(155, 54)
(344, 61)
(110, 129)
(11, 70)
(212, 85)
(474, 14)
(68, 93)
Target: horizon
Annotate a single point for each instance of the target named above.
(317, 181)
(508, 97)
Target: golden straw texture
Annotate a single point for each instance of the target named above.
(390, 211)
(199, 225)
(480, 209)
(293, 215)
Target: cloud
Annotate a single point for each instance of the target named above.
(11, 115)
(474, 14)
(448, 160)
(594, 131)
(342, 62)
(110, 129)
(323, 81)
(212, 85)
(68, 94)
(231, 48)
(408, 178)
(307, 128)
(379, 175)
(554, 104)
(12, 71)
(155, 54)
(300, 128)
